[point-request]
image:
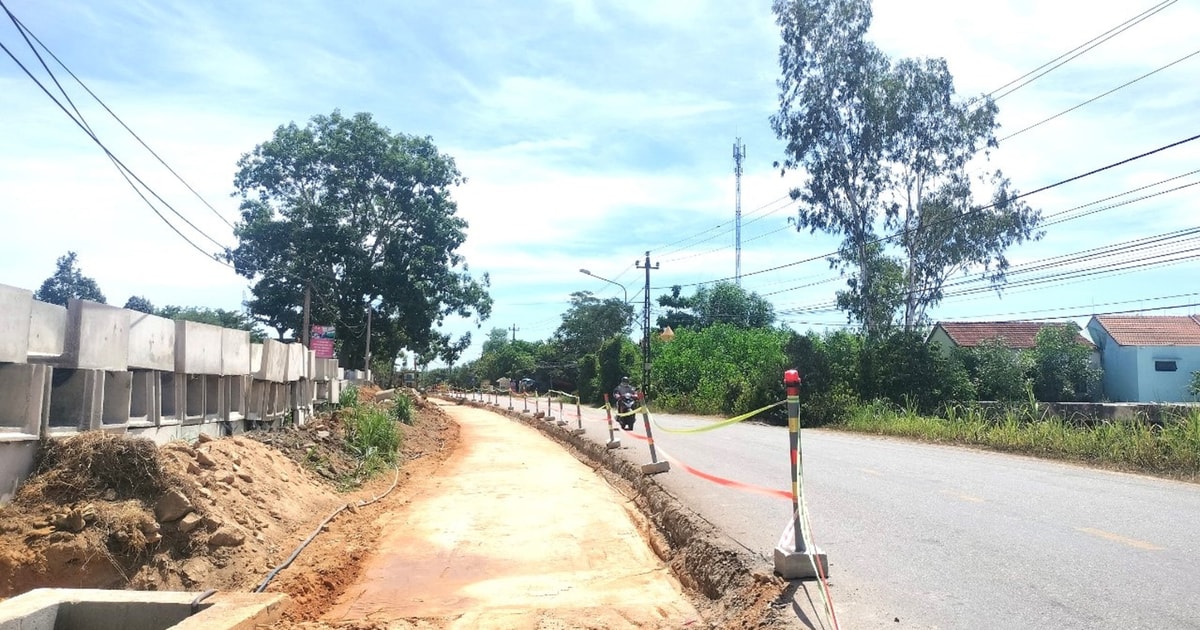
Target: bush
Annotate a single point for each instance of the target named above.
(1062, 366)
(348, 397)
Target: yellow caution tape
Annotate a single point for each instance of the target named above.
(717, 425)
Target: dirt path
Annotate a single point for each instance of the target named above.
(513, 532)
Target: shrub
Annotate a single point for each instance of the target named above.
(372, 437)
(402, 409)
(348, 397)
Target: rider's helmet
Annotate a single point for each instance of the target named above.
(624, 379)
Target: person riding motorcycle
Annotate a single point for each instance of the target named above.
(626, 396)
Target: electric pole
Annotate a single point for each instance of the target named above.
(739, 154)
(514, 330)
(646, 325)
(306, 334)
(367, 357)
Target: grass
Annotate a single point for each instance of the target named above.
(1172, 449)
(372, 434)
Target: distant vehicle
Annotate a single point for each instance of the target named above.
(527, 385)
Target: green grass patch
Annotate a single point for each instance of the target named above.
(1172, 448)
(402, 409)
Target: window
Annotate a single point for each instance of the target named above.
(1165, 366)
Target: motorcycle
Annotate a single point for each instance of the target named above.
(626, 403)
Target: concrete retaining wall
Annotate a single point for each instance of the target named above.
(96, 367)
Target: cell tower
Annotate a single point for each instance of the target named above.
(739, 154)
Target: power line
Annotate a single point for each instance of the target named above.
(21, 27)
(1096, 98)
(125, 171)
(1076, 52)
(969, 213)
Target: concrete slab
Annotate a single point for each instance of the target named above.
(274, 362)
(235, 352)
(297, 361)
(94, 609)
(198, 348)
(97, 336)
(256, 355)
(151, 342)
(656, 468)
(47, 330)
(16, 308)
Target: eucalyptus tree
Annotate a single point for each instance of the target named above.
(887, 146)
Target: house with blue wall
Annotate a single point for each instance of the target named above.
(1147, 358)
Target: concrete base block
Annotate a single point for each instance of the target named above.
(24, 398)
(50, 608)
(525, 412)
(801, 565)
(656, 467)
(76, 399)
(578, 431)
(16, 463)
(613, 444)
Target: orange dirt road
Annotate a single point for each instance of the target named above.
(514, 532)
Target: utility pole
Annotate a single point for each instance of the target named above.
(367, 357)
(739, 154)
(306, 334)
(646, 325)
(514, 330)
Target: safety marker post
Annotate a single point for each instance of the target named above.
(549, 410)
(562, 421)
(793, 560)
(525, 399)
(613, 442)
(578, 418)
(655, 466)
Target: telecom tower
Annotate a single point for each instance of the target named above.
(739, 154)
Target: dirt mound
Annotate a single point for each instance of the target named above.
(107, 511)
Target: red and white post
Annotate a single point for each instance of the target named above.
(613, 442)
(793, 559)
(654, 466)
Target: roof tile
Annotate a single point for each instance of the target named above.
(1152, 330)
(1020, 335)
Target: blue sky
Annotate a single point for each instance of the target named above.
(589, 132)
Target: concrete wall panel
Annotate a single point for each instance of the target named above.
(256, 356)
(47, 330)
(296, 362)
(97, 336)
(235, 352)
(274, 362)
(16, 306)
(24, 396)
(151, 342)
(197, 348)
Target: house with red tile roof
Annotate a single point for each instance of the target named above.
(1147, 358)
(1015, 335)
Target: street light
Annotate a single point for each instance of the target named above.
(588, 273)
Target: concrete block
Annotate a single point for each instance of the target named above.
(310, 369)
(794, 561)
(151, 342)
(76, 400)
(297, 359)
(95, 609)
(198, 348)
(116, 401)
(656, 468)
(24, 399)
(237, 389)
(16, 308)
(145, 404)
(47, 330)
(171, 401)
(256, 357)
(235, 352)
(341, 374)
(274, 362)
(17, 459)
(97, 336)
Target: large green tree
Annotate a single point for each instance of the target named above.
(887, 144)
(68, 282)
(364, 219)
(719, 303)
(588, 322)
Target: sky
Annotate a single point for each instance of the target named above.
(590, 132)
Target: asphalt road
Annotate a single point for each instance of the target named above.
(927, 536)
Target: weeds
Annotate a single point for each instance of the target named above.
(402, 409)
(1172, 449)
(372, 436)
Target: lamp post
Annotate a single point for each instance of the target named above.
(623, 290)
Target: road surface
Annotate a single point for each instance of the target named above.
(930, 536)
